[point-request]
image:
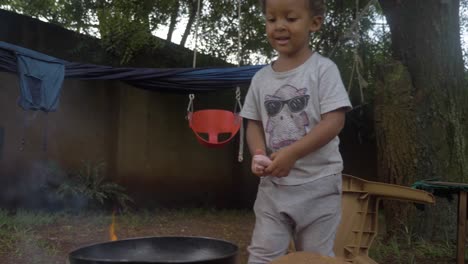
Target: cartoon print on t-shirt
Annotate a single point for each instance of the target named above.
(286, 124)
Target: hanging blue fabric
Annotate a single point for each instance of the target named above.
(40, 80)
(40, 76)
(40, 83)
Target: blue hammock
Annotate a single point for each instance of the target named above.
(184, 80)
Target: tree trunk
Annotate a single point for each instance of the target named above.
(395, 128)
(191, 20)
(174, 16)
(419, 121)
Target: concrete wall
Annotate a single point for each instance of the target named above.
(141, 135)
(160, 160)
(83, 128)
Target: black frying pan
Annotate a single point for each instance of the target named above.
(200, 250)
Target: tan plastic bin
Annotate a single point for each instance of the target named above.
(306, 258)
(359, 222)
(360, 206)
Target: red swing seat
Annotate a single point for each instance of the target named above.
(214, 122)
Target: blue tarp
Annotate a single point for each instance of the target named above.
(40, 83)
(169, 80)
(40, 77)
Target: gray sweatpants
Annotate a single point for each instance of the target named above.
(309, 213)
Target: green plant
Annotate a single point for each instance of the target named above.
(27, 219)
(90, 183)
(397, 250)
(6, 227)
(135, 220)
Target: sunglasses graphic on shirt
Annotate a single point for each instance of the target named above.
(295, 104)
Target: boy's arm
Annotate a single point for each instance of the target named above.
(255, 137)
(256, 142)
(327, 129)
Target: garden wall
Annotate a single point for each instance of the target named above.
(141, 135)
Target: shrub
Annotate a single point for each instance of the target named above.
(90, 183)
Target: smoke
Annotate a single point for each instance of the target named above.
(35, 186)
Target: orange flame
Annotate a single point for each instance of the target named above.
(112, 235)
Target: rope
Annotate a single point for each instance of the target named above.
(27, 121)
(354, 25)
(239, 37)
(240, 157)
(45, 132)
(194, 63)
(238, 104)
(190, 107)
(357, 61)
(362, 83)
(357, 64)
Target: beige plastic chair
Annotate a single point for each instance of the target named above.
(360, 206)
(359, 222)
(307, 258)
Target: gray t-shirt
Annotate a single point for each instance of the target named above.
(290, 104)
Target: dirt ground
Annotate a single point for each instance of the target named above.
(51, 243)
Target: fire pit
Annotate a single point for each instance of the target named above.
(200, 250)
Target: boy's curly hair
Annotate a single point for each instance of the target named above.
(317, 7)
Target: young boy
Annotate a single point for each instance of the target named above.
(295, 109)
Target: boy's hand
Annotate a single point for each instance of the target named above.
(282, 163)
(259, 162)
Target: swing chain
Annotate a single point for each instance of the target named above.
(190, 107)
(240, 156)
(194, 63)
(238, 90)
(238, 100)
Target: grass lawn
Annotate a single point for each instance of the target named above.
(34, 237)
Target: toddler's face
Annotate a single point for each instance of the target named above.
(289, 24)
